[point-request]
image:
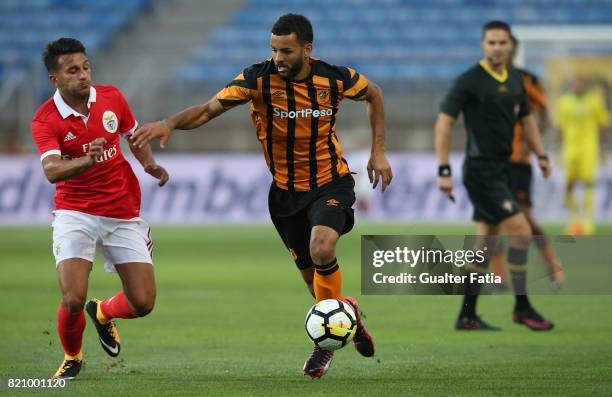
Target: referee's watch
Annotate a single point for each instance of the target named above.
(444, 170)
(543, 157)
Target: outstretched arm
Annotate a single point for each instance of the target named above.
(188, 119)
(378, 165)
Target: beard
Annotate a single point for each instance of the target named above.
(80, 91)
(294, 70)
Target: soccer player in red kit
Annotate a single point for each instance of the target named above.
(97, 200)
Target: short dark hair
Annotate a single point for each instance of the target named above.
(492, 25)
(62, 46)
(515, 41)
(294, 23)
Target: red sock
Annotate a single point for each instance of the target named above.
(117, 307)
(70, 328)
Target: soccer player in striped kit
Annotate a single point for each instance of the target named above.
(294, 103)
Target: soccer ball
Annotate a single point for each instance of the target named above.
(331, 324)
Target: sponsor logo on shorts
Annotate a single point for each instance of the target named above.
(507, 205)
(332, 203)
(57, 248)
(293, 254)
(303, 113)
(110, 121)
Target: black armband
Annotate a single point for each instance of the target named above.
(444, 170)
(543, 157)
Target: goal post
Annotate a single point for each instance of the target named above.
(558, 53)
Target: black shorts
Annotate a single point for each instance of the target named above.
(520, 182)
(488, 186)
(294, 214)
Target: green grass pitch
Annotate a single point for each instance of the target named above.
(229, 322)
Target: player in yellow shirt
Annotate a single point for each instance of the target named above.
(582, 119)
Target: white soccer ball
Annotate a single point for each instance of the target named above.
(331, 324)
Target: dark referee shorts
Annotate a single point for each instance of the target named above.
(294, 214)
(488, 186)
(520, 182)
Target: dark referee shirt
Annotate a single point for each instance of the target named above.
(491, 106)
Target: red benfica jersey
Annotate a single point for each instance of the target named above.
(110, 187)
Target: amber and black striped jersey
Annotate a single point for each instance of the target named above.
(537, 101)
(296, 120)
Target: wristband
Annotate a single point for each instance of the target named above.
(165, 124)
(444, 170)
(543, 157)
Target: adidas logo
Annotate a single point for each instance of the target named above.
(69, 136)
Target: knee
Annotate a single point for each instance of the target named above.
(520, 229)
(73, 302)
(521, 238)
(525, 231)
(322, 251)
(143, 305)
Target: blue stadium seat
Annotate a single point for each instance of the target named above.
(27, 25)
(396, 42)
